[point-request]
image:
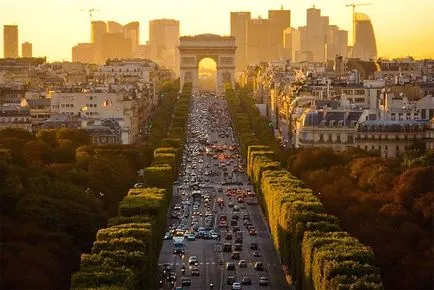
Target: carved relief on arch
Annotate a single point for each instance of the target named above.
(188, 60)
(188, 77)
(226, 60)
(226, 77)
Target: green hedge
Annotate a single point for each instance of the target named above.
(309, 241)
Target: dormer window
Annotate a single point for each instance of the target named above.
(331, 123)
(340, 123)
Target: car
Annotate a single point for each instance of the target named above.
(168, 236)
(191, 237)
(246, 281)
(178, 251)
(230, 266)
(235, 255)
(253, 246)
(263, 281)
(195, 271)
(227, 247)
(178, 288)
(252, 232)
(228, 236)
(238, 247)
(239, 239)
(193, 260)
(230, 280)
(242, 264)
(259, 266)
(139, 185)
(256, 254)
(186, 282)
(167, 267)
(236, 286)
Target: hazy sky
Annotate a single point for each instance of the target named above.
(402, 27)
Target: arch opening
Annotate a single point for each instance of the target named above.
(207, 74)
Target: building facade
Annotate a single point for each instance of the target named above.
(26, 49)
(10, 41)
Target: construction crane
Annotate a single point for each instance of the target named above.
(354, 5)
(91, 12)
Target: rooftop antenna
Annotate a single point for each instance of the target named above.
(354, 5)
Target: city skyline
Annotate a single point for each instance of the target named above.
(73, 25)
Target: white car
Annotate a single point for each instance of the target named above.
(236, 286)
(192, 260)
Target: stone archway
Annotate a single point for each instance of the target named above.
(192, 49)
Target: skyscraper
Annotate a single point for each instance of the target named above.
(26, 49)
(258, 40)
(115, 45)
(291, 40)
(164, 41)
(239, 30)
(114, 27)
(316, 33)
(131, 31)
(279, 21)
(98, 29)
(10, 41)
(365, 46)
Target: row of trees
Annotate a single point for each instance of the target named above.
(383, 203)
(56, 191)
(125, 254)
(318, 253)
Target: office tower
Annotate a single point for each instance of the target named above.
(26, 49)
(279, 21)
(84, 53)
(365, 46)
(98, 29)
(115, 45)
(316, 31)
(342, 43)
(239, 31)
(131, 31)
(114, 27)
(164, 41)
(291, 38)
(258, 40)
(10, 41)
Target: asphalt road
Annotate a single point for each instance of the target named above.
(204, 165)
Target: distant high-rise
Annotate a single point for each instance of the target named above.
(164, 41)
(84, 53)
(239, 30)
(26, 49)
(258, 40)
(115, 45)
(365, 46)
(316, 33)
(291, 41)
(131, 31)
(279, 21)
(114, 27)
(98, 28)
(10, 41)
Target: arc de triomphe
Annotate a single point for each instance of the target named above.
(192, 49)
